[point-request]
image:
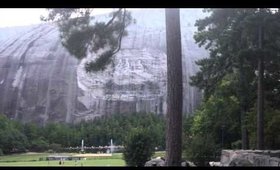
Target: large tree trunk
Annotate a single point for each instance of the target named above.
(243, 102)
(260, 131)
(174, 88)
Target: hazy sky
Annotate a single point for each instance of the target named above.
(26, 16)
(10, 17)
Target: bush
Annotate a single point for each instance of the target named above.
(41, 159)
(138, 147)
(1, 152)
(200, 150)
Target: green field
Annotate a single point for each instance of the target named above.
(33, 159)
(98, 162)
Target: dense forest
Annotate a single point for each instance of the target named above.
(240, 80)
(54, 137)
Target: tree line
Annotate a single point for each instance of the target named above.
(240, 80)
(17, 137)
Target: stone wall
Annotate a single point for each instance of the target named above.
(250, 158)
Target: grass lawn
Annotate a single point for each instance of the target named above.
(23, 157)
(96, 162)
(159, 154)
(28, 159)
(32, 159)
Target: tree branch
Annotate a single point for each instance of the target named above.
(121, 34)
(113, 18)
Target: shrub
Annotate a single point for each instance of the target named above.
(200, 149)
(138, 147)
(1, 152)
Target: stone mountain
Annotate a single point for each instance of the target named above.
(41, 82)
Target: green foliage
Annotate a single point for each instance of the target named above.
(228, 77)
(1, 152)
(271, 124)
(15, 137)
(31, 130)
(76, 43)
(236, 145)
(200, 149)
(100, 63)
(55, 147)
(138, 147)
(12, 140)
(219, 114)
(39, 145)
(231, 35)
(115, 127)
(215, 124)
(81, 35)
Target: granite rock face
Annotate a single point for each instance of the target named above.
(155, 162)
(41, 82)
(250, 158)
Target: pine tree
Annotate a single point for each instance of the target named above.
(260, 104)
(174, 88)
(101, 40)
(237, 41)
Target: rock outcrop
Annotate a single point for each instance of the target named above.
(250, 158)
(159, 161)
(41, 82)
(155, 162)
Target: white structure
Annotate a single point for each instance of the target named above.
(82, 148)
(111, 146)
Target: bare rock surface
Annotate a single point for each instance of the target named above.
(41, 82)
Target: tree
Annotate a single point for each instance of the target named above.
(11, 139)
(138, 147)
(200, 149)
(39, 145)
(271, 128)
(260, 127)
(55, 147)
(214, 125)
(174, 88)
(31, 131)
(102, 40)
(222, 35)
(237, 42)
